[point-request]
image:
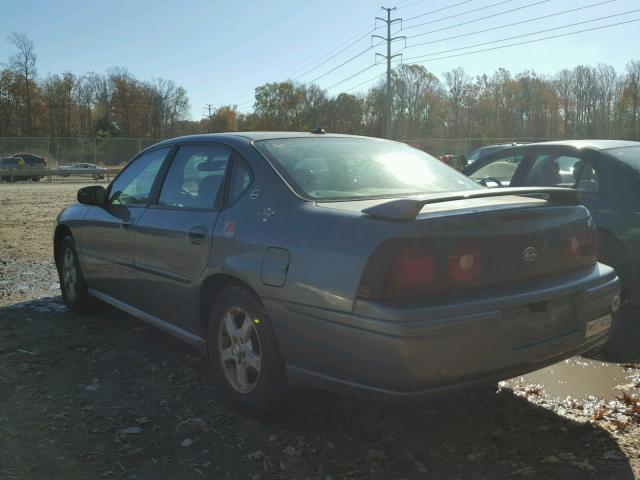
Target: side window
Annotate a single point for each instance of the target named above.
(501, 169)
(587, 178)
(240, 180)
(195, 177)
(549, 170)
(133, 186)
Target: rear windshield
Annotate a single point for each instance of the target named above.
(628, 155)
(333, 168)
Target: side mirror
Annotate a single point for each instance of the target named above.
(92, 195)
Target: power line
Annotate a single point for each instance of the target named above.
(523, 35)
(399, 5)
(380, 75)
(504, 12)
(335, 55)
(455, 15)
(509, 24)
(350, 77)
(298, 67)
(529, 41)
(366, 69)
(343, 63)
(440, 9)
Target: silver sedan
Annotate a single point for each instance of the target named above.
(350, 263)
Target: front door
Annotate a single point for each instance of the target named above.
(174, 235)
(106, 249)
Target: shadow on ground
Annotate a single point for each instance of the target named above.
(105, 396)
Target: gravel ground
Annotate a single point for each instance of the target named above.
(105, 396)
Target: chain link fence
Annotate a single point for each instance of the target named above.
(107, 152)
(110, 152)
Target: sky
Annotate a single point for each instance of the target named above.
(220, 51)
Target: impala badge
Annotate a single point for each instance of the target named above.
(530, 254)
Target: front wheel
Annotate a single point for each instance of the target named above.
(244, 354)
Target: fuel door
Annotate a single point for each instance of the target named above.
(275, 267)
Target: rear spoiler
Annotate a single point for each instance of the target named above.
(405, 209)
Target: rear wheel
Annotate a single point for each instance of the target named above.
(74, 289)
(244, 354)
(611, 253)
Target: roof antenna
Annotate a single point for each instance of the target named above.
(318, 131)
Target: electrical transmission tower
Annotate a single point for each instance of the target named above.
(209, 107)
(388, 109)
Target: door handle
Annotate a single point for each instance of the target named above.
(197, 234)
(126, 225)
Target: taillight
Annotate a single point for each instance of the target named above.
(583, 249)
(466, 266)
(402, 268)
(408, 268)
(412, 272)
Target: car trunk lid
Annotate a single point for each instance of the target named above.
(478, 239)
(490, 241)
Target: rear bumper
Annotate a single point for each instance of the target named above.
(414, 351)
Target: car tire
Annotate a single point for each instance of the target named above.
(611, 253)
(244, 354)
(75, 293)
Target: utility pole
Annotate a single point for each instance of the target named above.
(388, 109)
(209, 107)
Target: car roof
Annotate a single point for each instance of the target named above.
(496, 146)
(593, 144)
(255, 136)
(28, 155)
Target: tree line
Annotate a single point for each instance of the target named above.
(585, 101)
(113, 104)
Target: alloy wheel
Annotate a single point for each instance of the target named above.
(239, 349)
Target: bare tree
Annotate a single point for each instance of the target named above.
(416, 93)
(24, 63)
(459, 86)
(632, 94)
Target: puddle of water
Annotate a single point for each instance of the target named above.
(579, 378)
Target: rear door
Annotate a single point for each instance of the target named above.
(106, 248)
(553, 166)
(174, 235)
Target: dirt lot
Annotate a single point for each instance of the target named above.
(105, 396)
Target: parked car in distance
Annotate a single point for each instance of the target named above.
(605, 172)
(351, 263)
(482, 152)
(8, 163)
(21, 162)
(455, 161)
(83, 169)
